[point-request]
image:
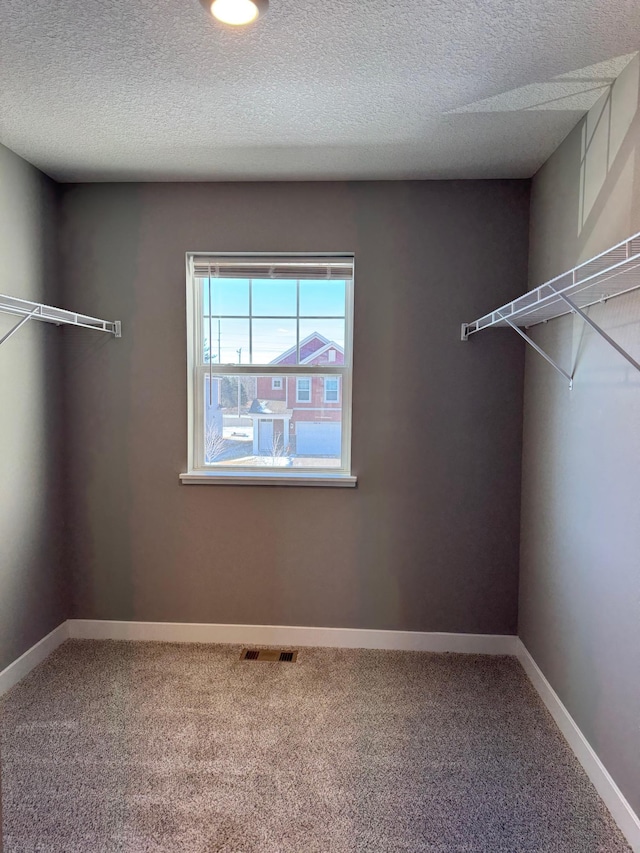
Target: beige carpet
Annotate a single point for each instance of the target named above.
(159, 747)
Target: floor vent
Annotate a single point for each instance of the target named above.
(272, 655)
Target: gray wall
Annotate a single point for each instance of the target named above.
(33, 591)
(580, 555)
(429, 539)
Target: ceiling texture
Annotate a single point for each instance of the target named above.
(119, 90)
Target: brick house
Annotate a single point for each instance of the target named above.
(300, 415)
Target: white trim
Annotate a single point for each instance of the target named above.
(195, 443)
(23, 665)
(275, 387)
(265, 370)
(251, 478)
(196, 369)
(345, 638)
(612, 796)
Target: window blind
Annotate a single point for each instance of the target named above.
(299, 267)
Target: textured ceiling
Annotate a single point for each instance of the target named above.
(155, 90)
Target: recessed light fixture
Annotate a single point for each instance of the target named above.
(236, 12)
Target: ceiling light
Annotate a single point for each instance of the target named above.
(236, 12)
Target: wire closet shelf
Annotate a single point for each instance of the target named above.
(48, 314)
(610, 274)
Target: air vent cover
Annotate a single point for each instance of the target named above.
(271, 655)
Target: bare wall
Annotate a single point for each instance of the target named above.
(429, 539)
(34, 597)
(580, 558)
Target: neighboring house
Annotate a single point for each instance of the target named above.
(300, 415)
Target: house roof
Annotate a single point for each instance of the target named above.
(325, 344)
(269, 407)
(321, 351)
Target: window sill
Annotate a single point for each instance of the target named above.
(206, 478)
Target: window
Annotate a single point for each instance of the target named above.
(269, 368)
(331, 389)
(303, 389)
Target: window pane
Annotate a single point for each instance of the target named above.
(322, 298)
(227, 429)
(331, 389)
(273, 298)
(274, 341)
(229, 296)
(250, 424)
(303, 390)
(229, 341)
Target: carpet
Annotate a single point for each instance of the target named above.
(159, 748)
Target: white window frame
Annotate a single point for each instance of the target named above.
(199, 473)
(337, 400)
(300, 379)
(280, 384)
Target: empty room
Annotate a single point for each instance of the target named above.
(320, 426)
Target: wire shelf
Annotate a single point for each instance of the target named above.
(609, 274)
(48, 314)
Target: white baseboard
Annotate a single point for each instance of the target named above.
(611, 795)
(17, 670)
(346, 638)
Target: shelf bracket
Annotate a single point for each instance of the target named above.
(576, 310)
(539, 350)
(18, 325)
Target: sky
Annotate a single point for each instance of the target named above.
(322, 309)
